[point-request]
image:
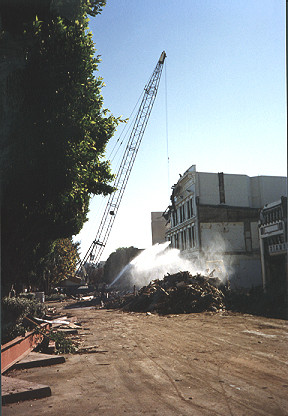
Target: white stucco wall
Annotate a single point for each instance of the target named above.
(237, 190)
(267, 189)
(242, 270)
(207, 188)
(240, 190)
(158, 227)
(255, 235)
(222, 236)
(245, 272)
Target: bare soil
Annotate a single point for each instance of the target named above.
(136, 363)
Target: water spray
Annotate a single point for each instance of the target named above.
(159, 260)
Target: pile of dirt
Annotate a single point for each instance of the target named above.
(176, 294)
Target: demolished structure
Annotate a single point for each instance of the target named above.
(159, 227)
(214, 217)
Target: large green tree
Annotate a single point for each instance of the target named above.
(56, 134)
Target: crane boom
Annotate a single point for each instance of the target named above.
(95, 250)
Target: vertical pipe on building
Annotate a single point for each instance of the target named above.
(197, 223)
(221, 187)
(262, 255)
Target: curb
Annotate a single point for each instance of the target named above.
(37, 359)
(15, 390)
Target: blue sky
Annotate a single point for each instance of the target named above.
(224, 79)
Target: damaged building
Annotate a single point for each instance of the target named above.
(159, 227)
(214, 217)
(274, 246)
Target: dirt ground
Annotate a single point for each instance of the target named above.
(197, 364)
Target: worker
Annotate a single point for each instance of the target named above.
(12, 293)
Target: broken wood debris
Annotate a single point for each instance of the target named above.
(175, 294)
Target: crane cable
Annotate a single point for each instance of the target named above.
(128, 125)
(127, 129)
(111, 157)
(167, 136)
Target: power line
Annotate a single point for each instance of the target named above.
(127, 125)
(167, 136)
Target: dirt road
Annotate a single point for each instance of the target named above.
(197, 364)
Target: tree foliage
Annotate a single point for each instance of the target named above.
(55, 139)
(61, 263)
(13, 311)
(94, 274)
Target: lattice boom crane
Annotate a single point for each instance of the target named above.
(95, 250)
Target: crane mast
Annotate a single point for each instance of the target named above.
(96, 248)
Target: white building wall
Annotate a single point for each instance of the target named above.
(222, 236)
(237, 190)
(240, 190)
(245, 271)
(158, 227)
(266, 189)
(255, 236)
(207, 188)
(236, 187)
(255, 192)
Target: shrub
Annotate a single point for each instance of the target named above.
(56, 296)
(13, 312)
(64, 345)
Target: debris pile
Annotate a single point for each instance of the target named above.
(178, 293)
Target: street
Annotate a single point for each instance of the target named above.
(195, 364)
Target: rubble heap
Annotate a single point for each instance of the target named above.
(178, 293)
